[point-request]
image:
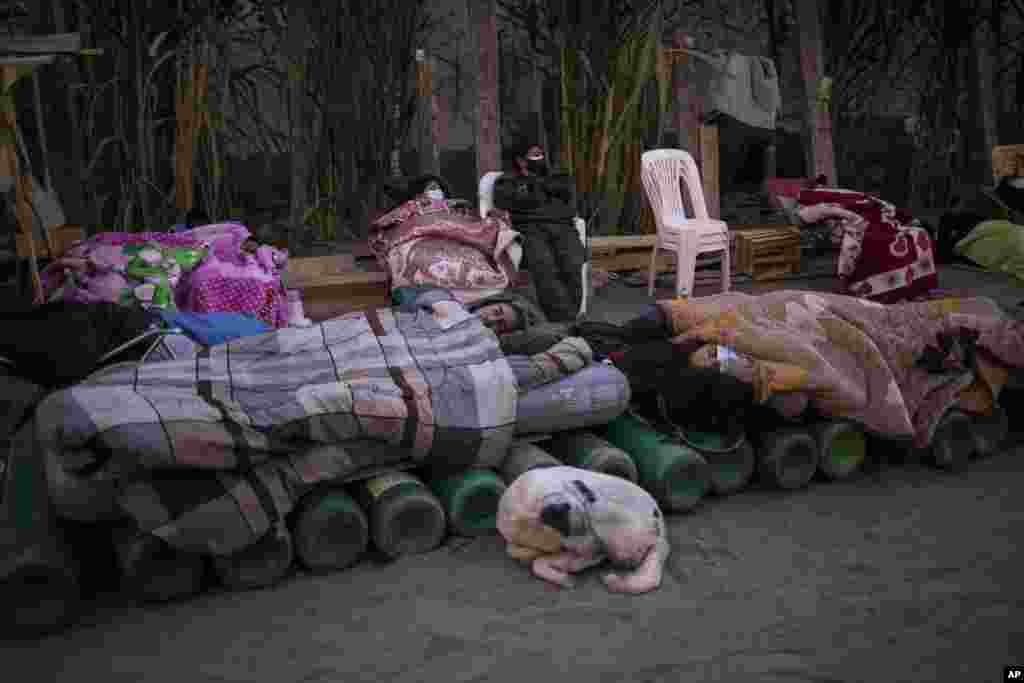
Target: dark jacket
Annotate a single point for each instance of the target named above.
(536, 199)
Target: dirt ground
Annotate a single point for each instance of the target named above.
(904, 573)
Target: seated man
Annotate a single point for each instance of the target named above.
(540, 206)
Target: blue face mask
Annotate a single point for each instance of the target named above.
(436, 195)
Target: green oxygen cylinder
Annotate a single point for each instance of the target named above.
(990, 431)
(523, 457)
(153, 571)
(732, 462)
(588, 451)
(330, 529)
(842, 446)
(405, 517)
(261, 565)
(470, 500)
(953, 442)
(40, 590)
(677, 476)
(788, 458)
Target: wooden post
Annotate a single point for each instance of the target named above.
(427, 114)
(483, 22)
(818, 132)
(709, 169)
(10, 167)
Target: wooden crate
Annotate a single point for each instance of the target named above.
(768, 253)
(628, 252)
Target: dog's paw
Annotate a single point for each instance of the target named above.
(630, 583)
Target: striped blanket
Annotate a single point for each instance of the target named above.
(210, 453)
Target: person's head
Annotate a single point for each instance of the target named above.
(501, 317)
(534, 161)
(430, 186)
(528, 158)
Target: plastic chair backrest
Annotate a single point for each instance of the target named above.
(486, 192)
(661, 171)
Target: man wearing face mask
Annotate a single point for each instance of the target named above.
(540, 205)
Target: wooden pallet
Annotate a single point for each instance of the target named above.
(332, 286)
(627, 252)
(769, 253)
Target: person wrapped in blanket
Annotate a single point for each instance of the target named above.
(540, 206)
(671, 384)
(431, 240)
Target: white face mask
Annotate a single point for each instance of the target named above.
(436, 195)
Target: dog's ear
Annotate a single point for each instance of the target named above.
(556, 516)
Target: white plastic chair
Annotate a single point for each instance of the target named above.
(486, 201)
(687, 236)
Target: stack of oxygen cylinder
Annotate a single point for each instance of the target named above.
(405, 512)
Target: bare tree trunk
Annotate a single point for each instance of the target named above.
(295, 42)
(483, 23)
(72, 77)
(982, 101)
(820, 156)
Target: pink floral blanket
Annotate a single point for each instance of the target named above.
(425, 242)
(202, 270)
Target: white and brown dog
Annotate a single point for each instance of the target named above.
(562, 520)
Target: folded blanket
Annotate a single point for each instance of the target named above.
(856, 359)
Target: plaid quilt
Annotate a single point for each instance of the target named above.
(210, 453)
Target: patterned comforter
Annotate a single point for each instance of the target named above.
(883, 255)
(894, 369)
(210, 453)
(203, 270)
(426, 242)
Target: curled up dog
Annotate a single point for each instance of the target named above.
(562, 520)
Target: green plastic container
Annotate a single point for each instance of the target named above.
(523, 457)
(261, 565)
(732, 462)
(330, 530)
(788, 458)
(676, 475)
(588, 451)
(405, 517)
(153, 571)
(843, 448)
(470, 499)
(40, 589)
(953, 442)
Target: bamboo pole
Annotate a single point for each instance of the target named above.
(11, 167)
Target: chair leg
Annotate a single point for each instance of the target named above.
(650, 271)
(686, 263)
(726, 270)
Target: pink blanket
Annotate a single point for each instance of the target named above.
(423, 242)
(201, 270)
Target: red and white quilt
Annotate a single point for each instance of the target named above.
(883, 256)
